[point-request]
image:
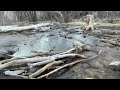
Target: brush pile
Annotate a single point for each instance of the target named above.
(37, 67)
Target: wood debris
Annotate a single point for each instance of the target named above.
(37, 65)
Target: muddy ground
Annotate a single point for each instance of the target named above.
(58, 40)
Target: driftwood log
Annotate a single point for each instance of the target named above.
(54, 57)
(21, 28)
(42, 60)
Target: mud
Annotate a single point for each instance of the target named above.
(58, 40)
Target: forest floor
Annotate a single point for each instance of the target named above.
(62, 41)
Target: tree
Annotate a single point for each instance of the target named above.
(30, 16)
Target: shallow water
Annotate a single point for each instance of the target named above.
(58, 39)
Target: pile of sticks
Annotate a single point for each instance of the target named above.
(35, 67)
(115, 42)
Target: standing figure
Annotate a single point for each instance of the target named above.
(89, 22)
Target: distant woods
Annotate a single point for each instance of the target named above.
(59, 16)
(13, 17)
(31, 16)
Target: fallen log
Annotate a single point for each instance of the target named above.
(66, 65)
(22, 61)
(38, 59)
(54, 57)
(21, 28)
(48, 66)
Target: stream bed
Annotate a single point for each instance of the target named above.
(28, 43)
(59, 39)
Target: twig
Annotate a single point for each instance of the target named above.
(99, 52)
(67, 51)
(66, 65)
(48, 66)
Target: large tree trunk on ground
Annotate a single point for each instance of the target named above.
(21, 28)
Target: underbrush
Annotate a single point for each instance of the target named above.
(114, 24)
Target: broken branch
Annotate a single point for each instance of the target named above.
(67, 51)
(66, 65)
(48, 66)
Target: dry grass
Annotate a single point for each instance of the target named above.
(96, 24)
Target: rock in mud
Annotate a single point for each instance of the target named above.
(12, 73)
(115, 65)
(86, 48)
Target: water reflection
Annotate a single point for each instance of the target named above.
(44, 43)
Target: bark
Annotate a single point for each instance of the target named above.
(48, 66)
